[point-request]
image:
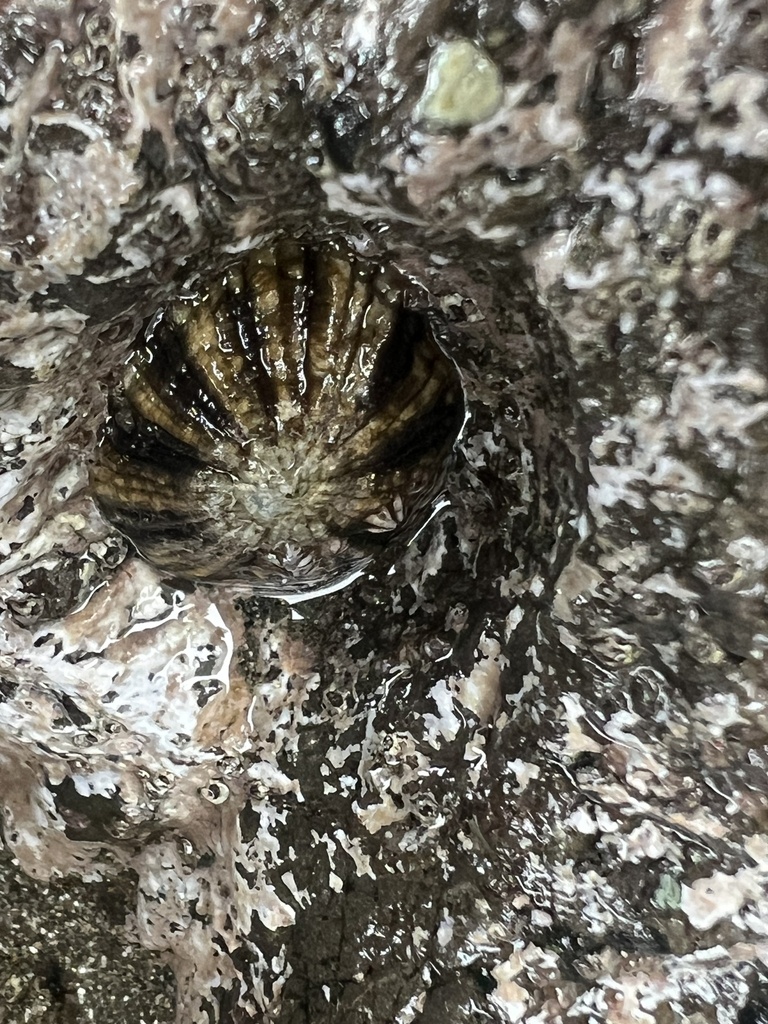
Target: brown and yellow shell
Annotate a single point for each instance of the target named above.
(280, 426)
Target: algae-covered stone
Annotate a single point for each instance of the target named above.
(463, 86)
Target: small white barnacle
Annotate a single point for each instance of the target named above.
(276, 429)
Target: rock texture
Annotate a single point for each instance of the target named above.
(522, 776)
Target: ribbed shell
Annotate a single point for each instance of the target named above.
(277, 428)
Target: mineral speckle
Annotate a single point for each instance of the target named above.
(69, 952)
(522, 775)
(463, 86)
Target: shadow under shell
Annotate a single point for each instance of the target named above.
(280, 427)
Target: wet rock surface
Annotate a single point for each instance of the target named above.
(522, 774)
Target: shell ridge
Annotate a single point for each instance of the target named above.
(146, 441)
(213, 363)
(207, 380)
(249, 335)
(239, 338)
(310, 275)
(148, 405)
(272, 305)
(325, 324)
(292, 290)
(356, 323)
(179, 400)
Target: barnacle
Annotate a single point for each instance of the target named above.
(280, 426)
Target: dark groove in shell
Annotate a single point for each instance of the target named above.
(278, 428)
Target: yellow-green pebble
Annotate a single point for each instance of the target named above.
(463, 86)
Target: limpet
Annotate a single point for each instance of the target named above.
(280, 426)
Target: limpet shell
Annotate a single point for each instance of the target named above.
(279, 427)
